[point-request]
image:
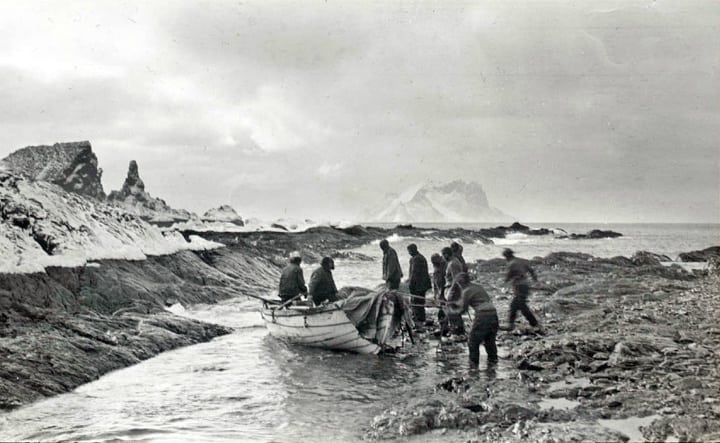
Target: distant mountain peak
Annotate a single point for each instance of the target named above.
(455, 201)
(223, 213)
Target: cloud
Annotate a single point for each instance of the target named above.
(559, 110)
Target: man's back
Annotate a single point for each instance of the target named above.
(474, 296)
(518, 271)
(291, 281)
(419, 275)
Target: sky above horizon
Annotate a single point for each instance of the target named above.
(586, 111)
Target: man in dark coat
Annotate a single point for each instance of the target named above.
(419, 283)
(518, 271)
(485, 325)
(322, 284)
(292, 282)
(392, 273)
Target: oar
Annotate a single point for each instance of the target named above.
(289, 301)
(266, 300)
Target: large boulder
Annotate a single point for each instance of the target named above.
(223, 214)
(700, 256)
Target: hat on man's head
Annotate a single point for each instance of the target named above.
(508, 253)
(295, 254)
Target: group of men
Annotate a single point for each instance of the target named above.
(452, 289)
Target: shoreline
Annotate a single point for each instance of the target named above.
(628, 342)
(69, 326)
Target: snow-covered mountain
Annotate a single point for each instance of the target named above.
(456, 201)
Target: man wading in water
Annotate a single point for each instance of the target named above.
(485, 325)
(517, 274)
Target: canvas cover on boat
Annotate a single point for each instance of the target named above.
(365, 309)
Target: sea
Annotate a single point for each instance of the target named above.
(250, 387)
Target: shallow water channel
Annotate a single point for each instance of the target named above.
(242, 387)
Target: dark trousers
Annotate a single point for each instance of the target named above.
(519, 303)
(456, 324)
(393, 283)
(484, 330)
(418, 305)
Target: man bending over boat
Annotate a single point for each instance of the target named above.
(292, 282)
(485, 325)
(392, 272)
(322, 283)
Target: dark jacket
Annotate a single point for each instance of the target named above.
(391, 265)
(474, 296)
(518, 271)
(292, 282)
(419, 277)
(322, 286)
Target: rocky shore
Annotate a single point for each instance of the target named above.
(70, 325)
(630, 345)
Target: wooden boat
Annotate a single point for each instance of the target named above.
(330, 327)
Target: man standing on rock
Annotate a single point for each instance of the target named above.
(419, 283)
(292, 282)
(392, 273)
(518, 271)
(485, 325)
(322, 283)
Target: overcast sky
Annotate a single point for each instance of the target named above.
(599, 111)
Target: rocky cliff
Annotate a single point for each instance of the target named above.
(73, 166)
(133, 198)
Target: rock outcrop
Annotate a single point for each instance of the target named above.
(73, 166)
(706, 254)
(133, 198)
(223, 214)
(42, 226)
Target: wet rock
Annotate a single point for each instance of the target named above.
(645, 258)
(699, 256)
